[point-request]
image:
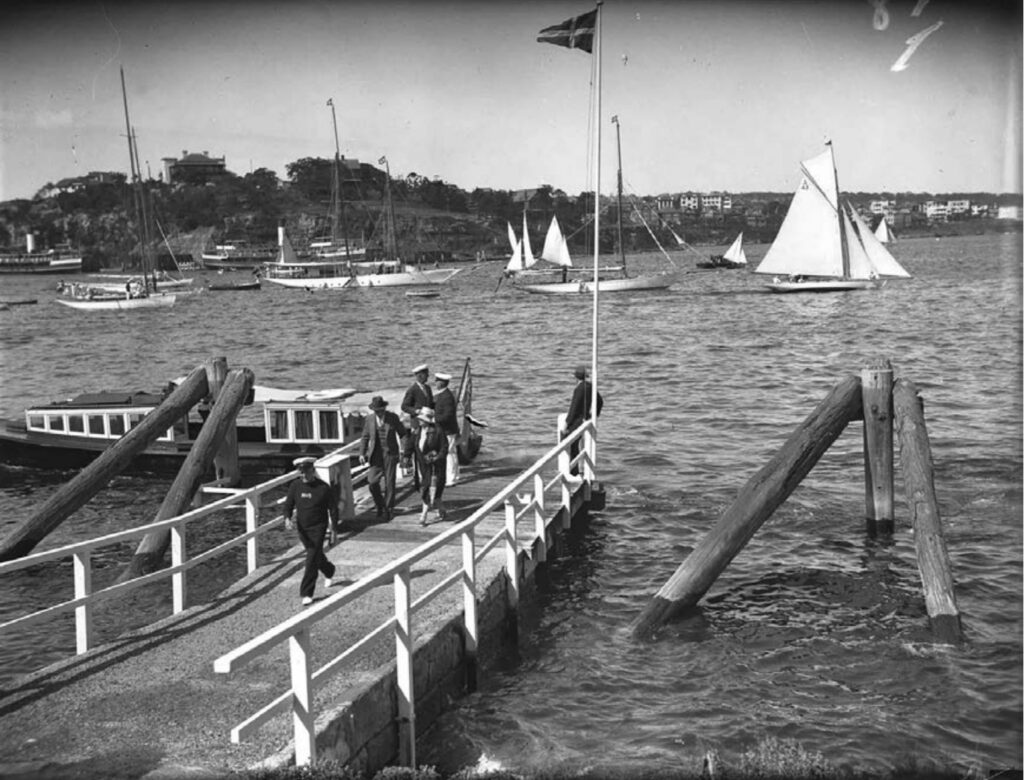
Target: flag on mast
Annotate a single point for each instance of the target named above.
(575, 33)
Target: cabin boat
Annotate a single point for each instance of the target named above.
(70, 434)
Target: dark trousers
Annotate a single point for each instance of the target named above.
(382, 466)
(312, 537)
(436, 472)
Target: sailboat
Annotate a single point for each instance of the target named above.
(137, 292)
(734, 257)
(329, 266)
(524, 265)
(824, 245)
(391, 271)
(884, 233)
(615, 279)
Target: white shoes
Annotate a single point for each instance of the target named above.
(307, 600)
(328, 582)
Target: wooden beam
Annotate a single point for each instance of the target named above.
(756, 502)
(876, 383)
(919, 483)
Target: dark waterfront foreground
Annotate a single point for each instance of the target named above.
(815, 633)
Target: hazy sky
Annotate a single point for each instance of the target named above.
(711, 94)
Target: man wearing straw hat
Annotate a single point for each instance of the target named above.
(448, 422)
(380, 447)
(314, 504)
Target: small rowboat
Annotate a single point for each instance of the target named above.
(238, 286)
(422, 293)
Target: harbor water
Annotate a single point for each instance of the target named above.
(816, 632)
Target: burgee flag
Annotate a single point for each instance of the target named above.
(575, 33)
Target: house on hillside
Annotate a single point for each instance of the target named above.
(192, 167)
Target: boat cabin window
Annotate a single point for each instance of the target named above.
(303, 424)
(329, 425)
(108, 424)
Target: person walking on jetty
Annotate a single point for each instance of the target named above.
(418, 396)
(444, 410)
(431, 452)
(380, 446)
(579, 409)
(314, 505)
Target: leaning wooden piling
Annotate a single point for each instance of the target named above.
(226, 469)
(151, 550)
(111, 462)
(876, 392)
(756, 502)
(919, 483)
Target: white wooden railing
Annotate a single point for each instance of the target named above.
(333, 467)
(296, 630)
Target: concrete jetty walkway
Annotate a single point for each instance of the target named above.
(149, 703)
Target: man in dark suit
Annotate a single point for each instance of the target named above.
(418, 396)
(579, 409)
(447, 420)
(382, 434)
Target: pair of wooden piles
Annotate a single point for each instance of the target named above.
(879, 401)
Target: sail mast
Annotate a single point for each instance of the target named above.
(597, 225)
(618, 146)
(140, 211)
(337, 200)
(843, 246)
(390, 237)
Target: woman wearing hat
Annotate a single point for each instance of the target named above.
(431, 453)
(382, 432)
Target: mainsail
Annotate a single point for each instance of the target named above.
(556, 248)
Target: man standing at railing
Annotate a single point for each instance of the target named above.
(314, 505)
(382, 432)
(579, 410)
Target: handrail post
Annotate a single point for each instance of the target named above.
(302, 698)
(179, 585)
(539, 526)
(469, 606)
(404, 672)
(512, 570)
(252, 517)
(83, 613)
(346, 495)
(876, 391)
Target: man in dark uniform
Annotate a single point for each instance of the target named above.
(579, 409)
(382, 433)
(314, 504)
(445, 407)
(418, 396)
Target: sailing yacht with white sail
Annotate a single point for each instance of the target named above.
(734, 257)
(824, 245)
(884, 233)
(615, 279)
(523, 265)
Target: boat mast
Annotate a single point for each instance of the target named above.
(390, 238)
(140, 206)
(337, 199)
(844, 247)
(618, 145)
(597, 224)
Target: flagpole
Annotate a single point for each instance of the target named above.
(597, 231)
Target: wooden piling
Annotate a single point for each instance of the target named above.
(111, 462)
(151, 550)
(876, 394)
(756, 502)
(919, 483)
(225, 463)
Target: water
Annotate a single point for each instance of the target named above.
(815, 632)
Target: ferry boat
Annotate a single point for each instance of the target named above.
(237, 255)
(70, 434)
(60, 260)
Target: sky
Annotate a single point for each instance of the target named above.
(711, 95)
